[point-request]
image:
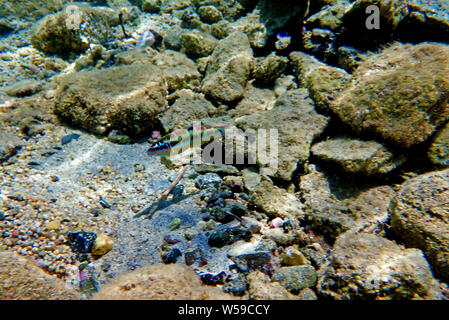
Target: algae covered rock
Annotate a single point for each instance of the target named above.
(131, 98)
(295, 278)
(261, 288)
(365, 266)
(439, 149)
(420, 216)
(74, 28)
(254, 100)
(354, 155)
(209, 14)
(188, 107)
(400, 94)
(179, 71)
(9, 145)
(276, 201)
(197, 44)
(229, 68)
(297, 124)
(323, 81)
(267, 69)
(335, 204)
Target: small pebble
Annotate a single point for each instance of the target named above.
(171, 256)
(102, 245)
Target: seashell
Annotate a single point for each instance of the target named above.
(102, 245)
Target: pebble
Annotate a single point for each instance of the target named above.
(293, 257)
(174, 224)
(53, 225)
(252, 261)
(171, 256)
(102, 245)
(169, 240)
(226, 236)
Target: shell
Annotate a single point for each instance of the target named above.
(102, 245)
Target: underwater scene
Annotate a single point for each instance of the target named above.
(224, 150)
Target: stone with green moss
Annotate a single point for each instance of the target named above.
(209, 14)
(196, 43)
(400, 95)
(267, 69)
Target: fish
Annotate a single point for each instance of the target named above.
(185, 138)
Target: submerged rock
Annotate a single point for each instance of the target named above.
(354, 155)
(297, 124)
(229, 68)
(225, 236)
(336, 204)
(420, 215)
(131, 98)
(439, 149)
(261, 288)
(295, 278)
(9, 145)
(365, 266)
(399, 94)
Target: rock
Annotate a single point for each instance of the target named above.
(9, 145)
(24, 88)
(188, 108)
(116, 137)
(213, 280)
(53, 225)
(102, 245)
(403, 85)
(261, 288)
(152, 6)
(420, 216)
(171, 256)
(365, 266)
(295, 278)
(251, 178)
(254, 100)
(252, 261)
(225, 236)
(275, 15)
(73, 29)
(208, 180)
(229, 68)
(252, 224)
(21, 279)
(267, 69)
(236, 284)
(357, 156)
(209, 14)
(131, 98)
(160, 281)
(297, 124)
(335, 204)
(323, 81)
(280, 237)
(293, 257)
(198, 44)
(276, 201)
(178, 70)
(439, 149)
(307, 294)
(81, 243)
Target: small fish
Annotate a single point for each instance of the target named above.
(182, 138)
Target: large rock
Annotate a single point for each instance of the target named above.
(400, 94)
(354, 155)
(9, 145)
(365, 266)
(323, 81)
(297, 124)
(22, 279)
(420, 215)
(229, 68)
(335, 204)
(130, 98)
(276, 201)
(439, 149)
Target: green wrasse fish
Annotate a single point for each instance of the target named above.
(185, 138)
